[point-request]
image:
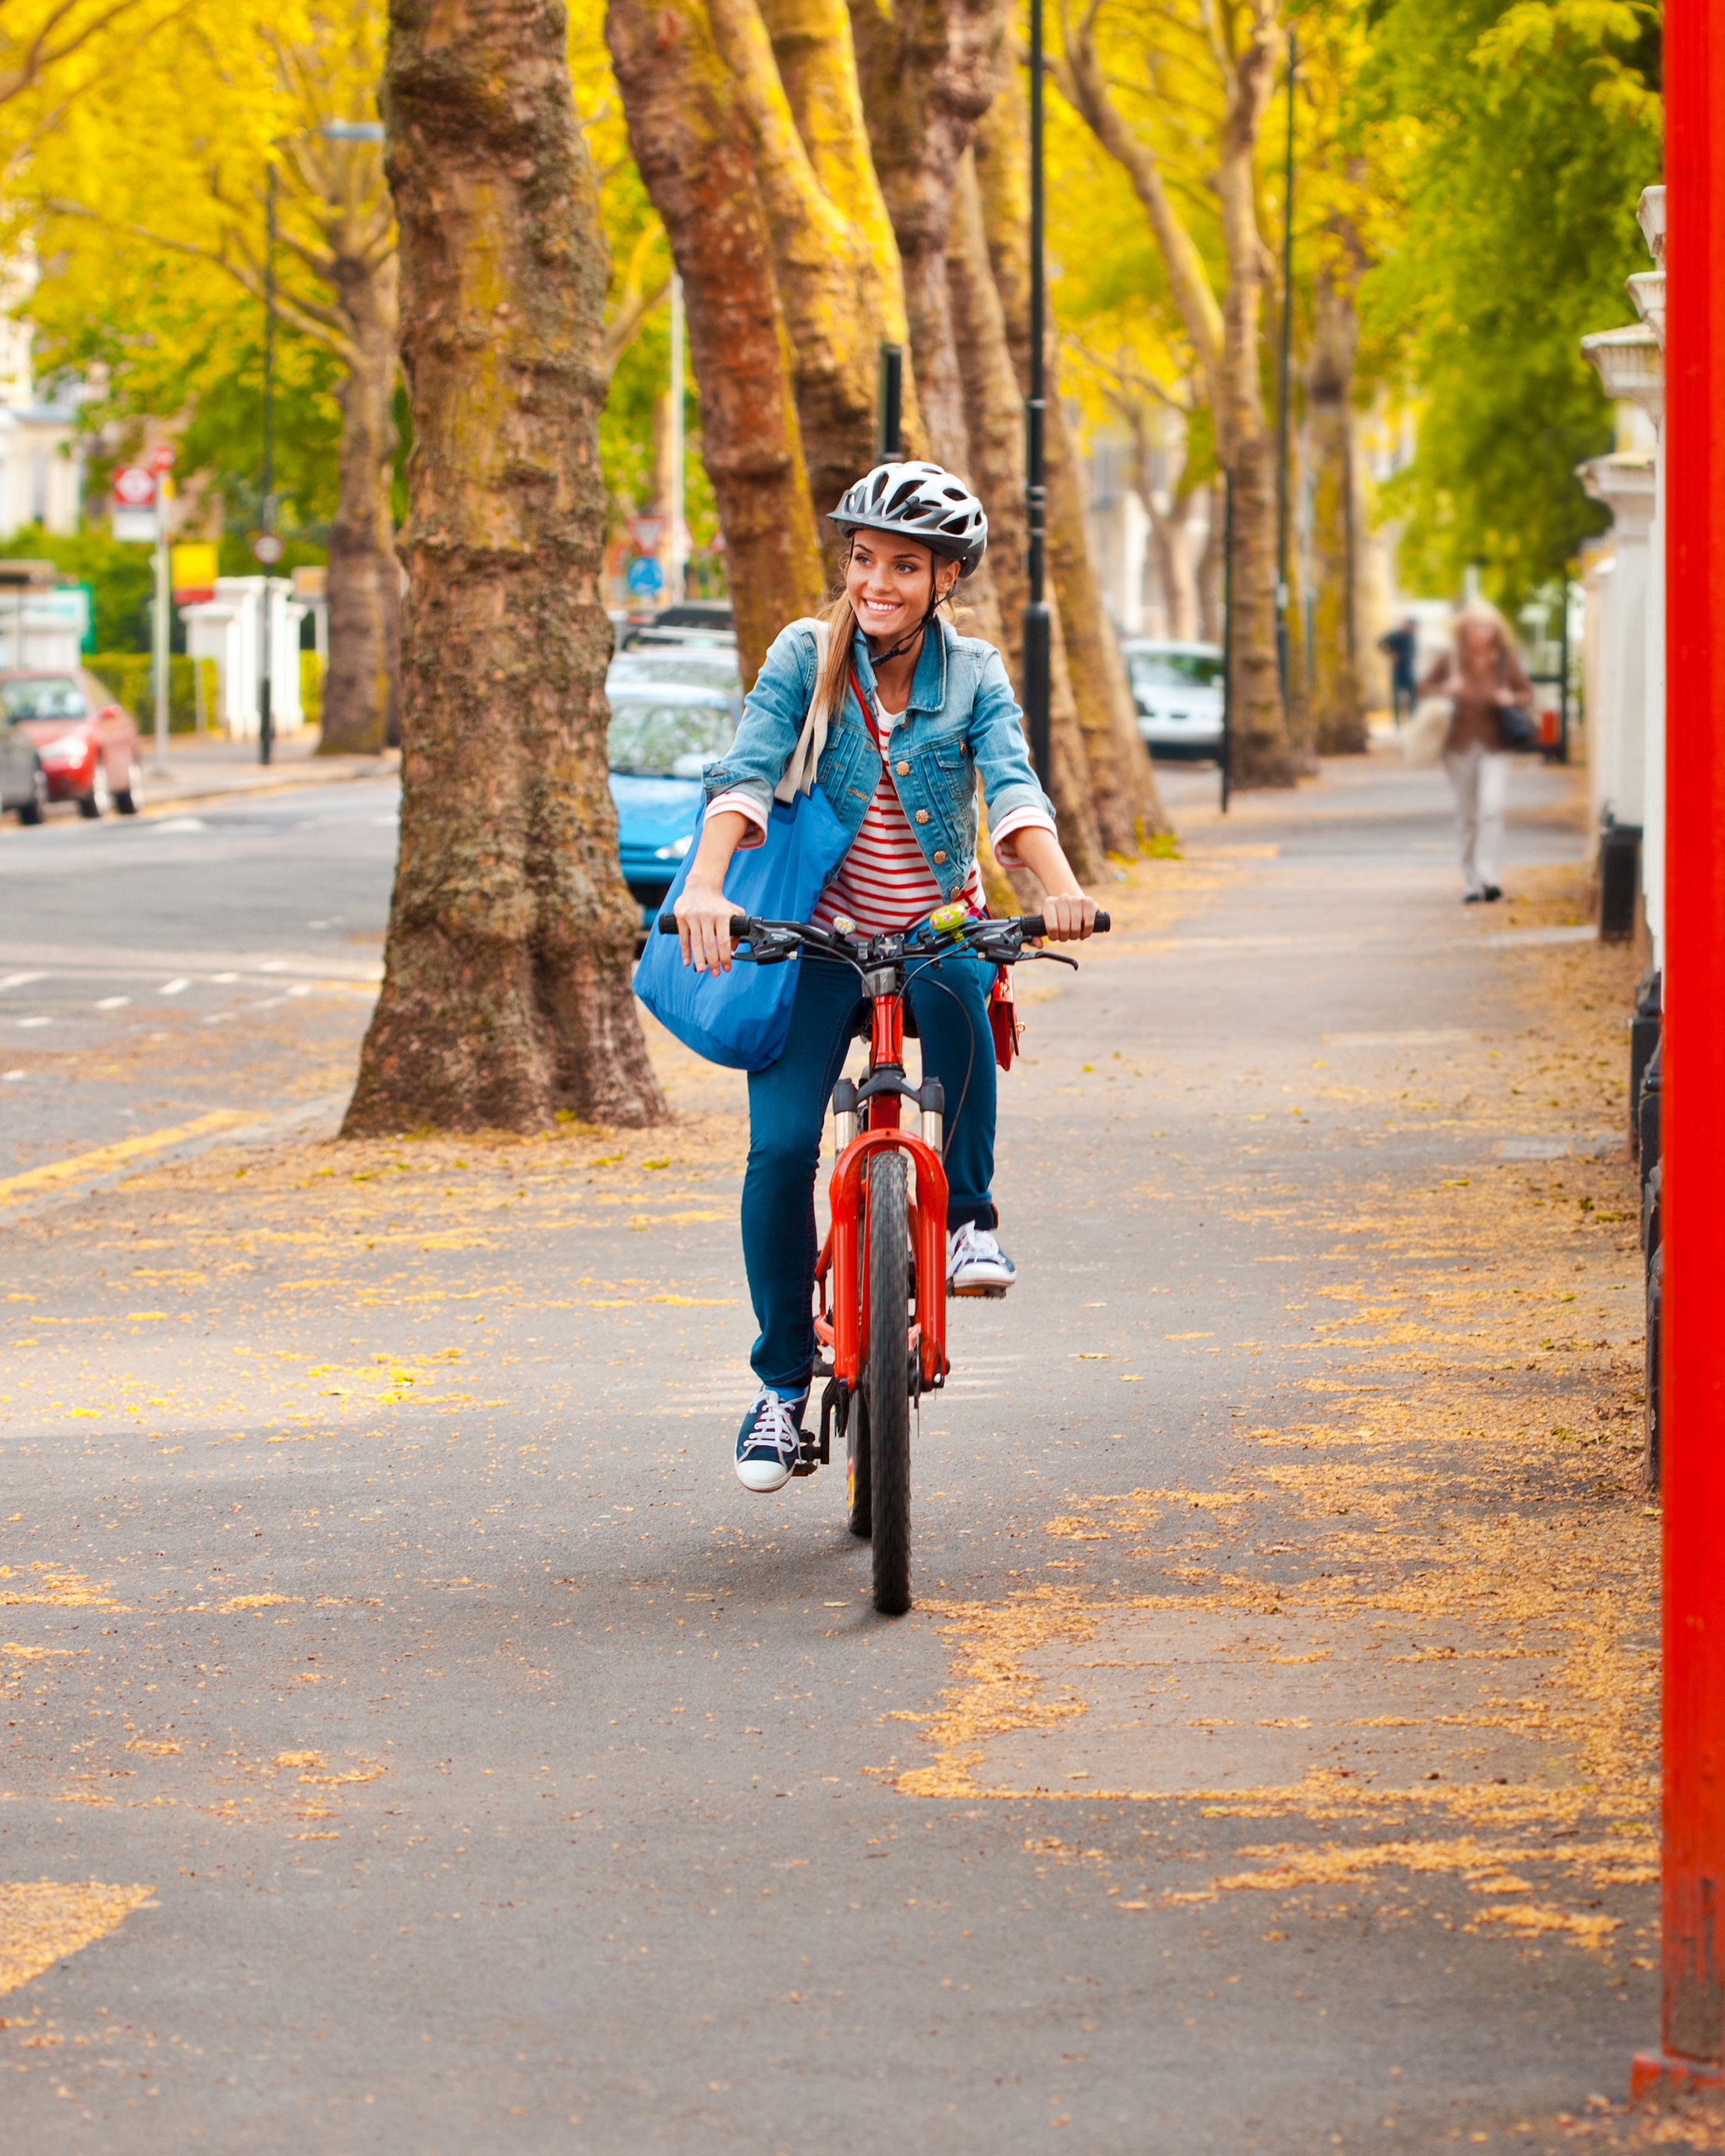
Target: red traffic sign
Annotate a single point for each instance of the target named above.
(135, 485)
(647, 531)
(161, 458)
(268, 548)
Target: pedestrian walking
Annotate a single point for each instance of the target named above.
(1483, 680)
(1402, 645)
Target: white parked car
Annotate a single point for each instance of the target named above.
(1178, 689)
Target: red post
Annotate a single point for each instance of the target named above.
(1692, 1142)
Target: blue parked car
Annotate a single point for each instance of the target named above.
(663, 735)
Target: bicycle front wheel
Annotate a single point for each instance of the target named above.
(887, 1381)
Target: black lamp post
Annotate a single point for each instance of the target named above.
(1036, 615)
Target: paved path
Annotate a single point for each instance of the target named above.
(467, 1765)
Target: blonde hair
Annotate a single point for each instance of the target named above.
(1481, 614)
(833, 678)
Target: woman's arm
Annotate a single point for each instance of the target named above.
(703, 912)
(1069, 915)
(1435, 675)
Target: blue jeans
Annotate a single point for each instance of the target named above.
(788, 1106)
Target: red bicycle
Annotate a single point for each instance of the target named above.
(880, 1284)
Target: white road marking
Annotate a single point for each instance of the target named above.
(7, 1077)
(35, 1021)
(174, 987)
(300, 988)
(20, 980)
(225, 977)
(182, 823)
(113, 1003)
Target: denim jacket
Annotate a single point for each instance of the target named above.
(962, 719)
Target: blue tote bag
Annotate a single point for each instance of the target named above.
(741, 1019)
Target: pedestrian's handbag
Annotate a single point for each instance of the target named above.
(1517, 727)
(1424, 736)
(742, 1018)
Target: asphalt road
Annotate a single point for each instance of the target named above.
(310, 1538)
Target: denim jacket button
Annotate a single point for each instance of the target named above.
(922, 815)
(903, 770)
(940, 856)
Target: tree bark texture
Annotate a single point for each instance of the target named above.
(507, 993)
(928, 70)
(834, 257)
(695, 148)
(361, 691)
(1213, 566)
(1262, 752)
(1122, 783)
(994, 412)
(1338, 703)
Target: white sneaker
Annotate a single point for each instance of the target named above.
(769, 1441)
(976, 1264)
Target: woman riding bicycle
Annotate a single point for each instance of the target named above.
(913, 713)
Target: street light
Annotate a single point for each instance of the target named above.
(1036, 629)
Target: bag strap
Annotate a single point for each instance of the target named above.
(811, 744)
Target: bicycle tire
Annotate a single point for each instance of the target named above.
(858, 1486)
(887, 1380)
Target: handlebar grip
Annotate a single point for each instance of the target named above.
(1033, 925)
(739, 926)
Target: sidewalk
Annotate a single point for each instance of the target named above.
(1266, 1765)
(208, 766)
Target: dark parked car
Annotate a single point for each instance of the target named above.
(663, 735)
(87, 743)
(23, 783)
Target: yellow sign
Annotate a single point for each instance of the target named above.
(194, 568)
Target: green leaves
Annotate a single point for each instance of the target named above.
(1534, 128)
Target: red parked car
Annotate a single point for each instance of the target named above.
(88, 743)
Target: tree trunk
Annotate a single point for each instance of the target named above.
(1338, 704)
(834, 257)
(1225, 344)
(1212, 564)
(362, 692)
(927, 71)
(1262, 753)
(1176, 570)
(994, 412)
(1122, 783)
(507, 993)
(693, 145)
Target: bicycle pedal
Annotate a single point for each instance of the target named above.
(994, 1294)
(803, 1467)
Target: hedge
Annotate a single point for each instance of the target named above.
(127, 677)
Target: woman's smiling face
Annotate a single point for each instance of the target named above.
(887, 581)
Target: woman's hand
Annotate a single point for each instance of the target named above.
(704, 917)
(1068, 916)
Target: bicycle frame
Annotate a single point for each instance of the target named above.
(840, 1275)
(841, 1319)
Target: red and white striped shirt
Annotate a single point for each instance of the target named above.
(884, 881)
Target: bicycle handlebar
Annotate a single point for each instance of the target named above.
(1029, 925)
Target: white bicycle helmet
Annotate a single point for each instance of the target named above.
(921, 502)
